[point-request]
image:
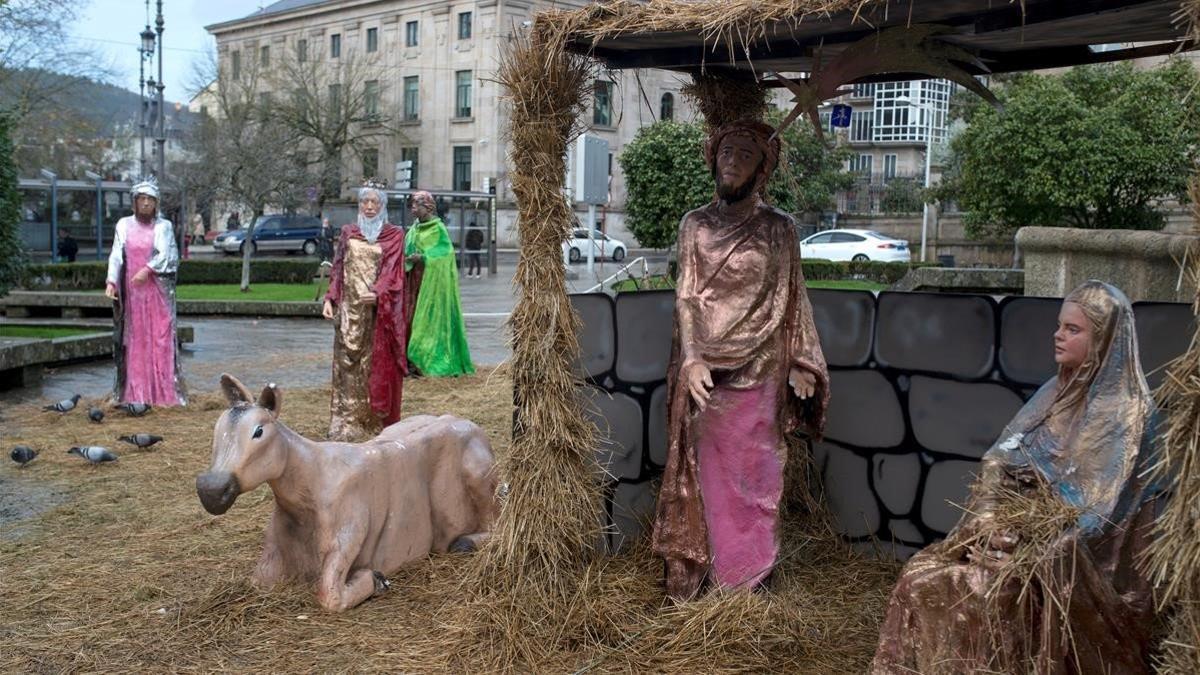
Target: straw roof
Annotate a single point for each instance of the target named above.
(786, 35)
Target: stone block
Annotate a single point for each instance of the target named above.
(864, 410)
(896, 479)
(618, 420)
(961, 418)
(845, 322)
(597, 334)
(946, 491)
(657, 423)
(644, 323)
(962, 280)
(855, 512)
(944, 334)
(632, 512)
(884, 550)
(1143, 264)
(905, 530)
(72, 312)
(1027, 328)
(1164, 330)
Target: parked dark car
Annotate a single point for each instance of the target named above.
(279, 232)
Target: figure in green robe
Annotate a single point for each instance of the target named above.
(437, 343)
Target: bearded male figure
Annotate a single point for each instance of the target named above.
(746, 370)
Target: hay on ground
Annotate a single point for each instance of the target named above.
(130, 573)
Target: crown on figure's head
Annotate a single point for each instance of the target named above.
(375, 183)
(147, 186)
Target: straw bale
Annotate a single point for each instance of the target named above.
(724, 99)
(1174, 554)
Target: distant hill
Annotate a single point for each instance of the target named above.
(103, 105)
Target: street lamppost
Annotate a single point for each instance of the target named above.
(146, 52)
(904, 100)
(53, 178)
(160, 139)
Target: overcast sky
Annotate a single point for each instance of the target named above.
(111, 28)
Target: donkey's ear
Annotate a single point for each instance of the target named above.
(271, 398)
(235, 391)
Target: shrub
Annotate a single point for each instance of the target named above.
(84, 276)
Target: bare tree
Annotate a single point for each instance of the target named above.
(36, 51)
(242, 152)
(333, 109)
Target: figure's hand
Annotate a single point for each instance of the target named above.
(417, 259)
(327, 309)
(698, 379)
(803, 382)
(110, 291)
(142, 275)
(367, 299)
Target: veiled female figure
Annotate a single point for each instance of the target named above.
(437, 346)
(141, 283)
(1084, 439)
(366, 303)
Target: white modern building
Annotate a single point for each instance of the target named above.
(891, 126)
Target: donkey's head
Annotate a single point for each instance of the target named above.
(248, 448)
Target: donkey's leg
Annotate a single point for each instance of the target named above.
(340, 588)
(269, 570)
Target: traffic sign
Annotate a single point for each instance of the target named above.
(840, 116)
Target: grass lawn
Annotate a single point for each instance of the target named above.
(262, 292)
(848, 285)
(44, 332)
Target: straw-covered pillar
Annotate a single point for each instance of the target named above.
(549, 524)
(1175, 553)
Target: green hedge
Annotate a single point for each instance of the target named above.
(83, 276)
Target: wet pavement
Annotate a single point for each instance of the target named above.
(294, 352)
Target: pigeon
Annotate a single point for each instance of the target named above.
(141, 440)
(23, 454)
(64, 406)
(95, 414)
(135, 409)
(94, 454)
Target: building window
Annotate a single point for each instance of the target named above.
(264, 55)
(335, 45)
(863, 90)
(410, 34)
(235, 64)
(464, 25)
(371, 98)
(372, 39)
(826, 121)
(889, 166)
(861, 164)
(301, 50)
(667, 107)
(902, 110)
(602, 104)
(370, 163)
(462, 168)
(335, 98)
(411, 155)
(412, 98)
(860, 126)
(462, 93)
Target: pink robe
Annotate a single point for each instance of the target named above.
(149, 326)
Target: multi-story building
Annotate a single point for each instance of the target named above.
(432, 68)
(890, 123)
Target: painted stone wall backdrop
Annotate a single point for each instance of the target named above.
(923, 384)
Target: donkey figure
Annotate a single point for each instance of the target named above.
(347, 514)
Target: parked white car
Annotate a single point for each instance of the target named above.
(575, 248)
(858, 245)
